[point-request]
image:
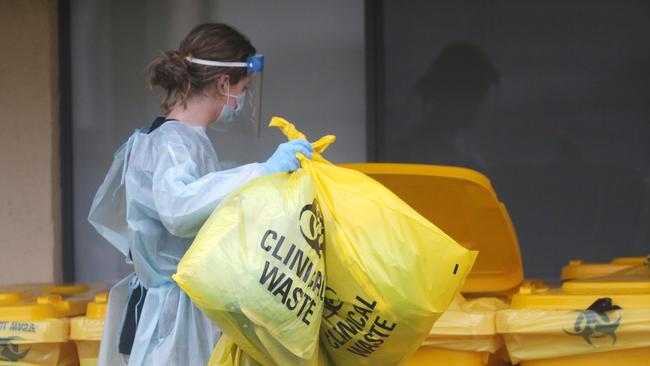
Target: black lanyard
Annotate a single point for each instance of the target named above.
(159, 121)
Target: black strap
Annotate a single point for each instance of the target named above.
(159, 121)
(136, 299)
(131, 319)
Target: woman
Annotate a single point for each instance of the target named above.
(163, 184)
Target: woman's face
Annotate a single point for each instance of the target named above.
(236, 90)
(226, 93)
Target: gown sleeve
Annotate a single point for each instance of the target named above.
(184, 199)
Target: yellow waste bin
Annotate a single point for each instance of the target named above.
(35, 324)
(464, 205)
(464, 335)
(577, 269)
(86, 331)
(563, 326)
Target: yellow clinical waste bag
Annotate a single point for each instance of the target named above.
(257, 268)
(464, 205)
(390, 271)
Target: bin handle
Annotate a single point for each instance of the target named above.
(533, 286)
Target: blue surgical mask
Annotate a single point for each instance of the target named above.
(228, 114)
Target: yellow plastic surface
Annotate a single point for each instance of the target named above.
(40, 301)
(531, 334)
(438, 356)
(577, 269)
(88, 352)
(39, 331)
(630, 291)
(97, 308)
(429, 356)
(464, 205)
(547, 323)
(34, 323)
(39, 354)
(460, 319)
(628, 357)
(467, 326)
(631, 260)
(464, 335)
(87, 330)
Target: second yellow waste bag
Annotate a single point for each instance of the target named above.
(390, 272)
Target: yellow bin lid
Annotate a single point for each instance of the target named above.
(577, 269)
(97, 308)
(91, 326)
(629, 289)
(464, 205)
(44, 301)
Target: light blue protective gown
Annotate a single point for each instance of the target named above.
(158, 192)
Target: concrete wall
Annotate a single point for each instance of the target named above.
(30, 244)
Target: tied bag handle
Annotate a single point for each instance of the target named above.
(292, 133)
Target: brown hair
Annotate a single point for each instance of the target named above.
(181, 79)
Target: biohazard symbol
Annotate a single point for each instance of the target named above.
(312, 226)
(590, 324)
(332, 303)
(11, 352)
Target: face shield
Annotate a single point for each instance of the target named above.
(242, 111)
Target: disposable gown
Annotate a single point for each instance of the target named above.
(159, 190)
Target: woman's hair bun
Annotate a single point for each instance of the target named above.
(169, 71)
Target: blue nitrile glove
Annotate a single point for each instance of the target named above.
(284, 158)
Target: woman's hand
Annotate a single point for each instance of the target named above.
(284, 158)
